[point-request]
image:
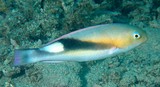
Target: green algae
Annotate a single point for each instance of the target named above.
(32, 23)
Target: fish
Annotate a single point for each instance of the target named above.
(87, 44)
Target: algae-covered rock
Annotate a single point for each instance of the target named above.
(32, 23)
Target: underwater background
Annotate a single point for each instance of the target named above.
(32, 23)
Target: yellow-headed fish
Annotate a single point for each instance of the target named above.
(92, 43)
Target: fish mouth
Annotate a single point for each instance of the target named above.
(145, 36)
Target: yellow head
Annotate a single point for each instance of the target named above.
(127, 36)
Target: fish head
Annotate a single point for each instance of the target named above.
(128, 37)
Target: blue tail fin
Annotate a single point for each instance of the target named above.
(25, 56)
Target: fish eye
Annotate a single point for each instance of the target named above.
(136, 35)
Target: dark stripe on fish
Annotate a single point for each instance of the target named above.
(74, 44)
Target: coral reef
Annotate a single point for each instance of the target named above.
(32, 23)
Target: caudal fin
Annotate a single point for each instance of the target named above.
(24, 56)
